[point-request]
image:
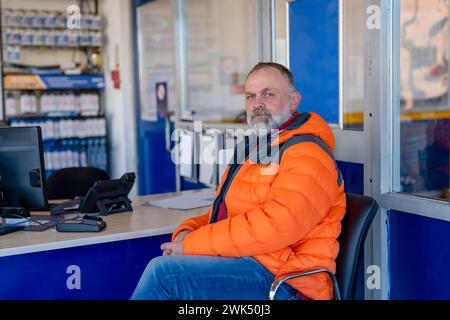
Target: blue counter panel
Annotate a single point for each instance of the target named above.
(419, 253)
(107, 271)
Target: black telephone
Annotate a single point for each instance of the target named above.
(106, 197)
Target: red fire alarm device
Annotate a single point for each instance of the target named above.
(115, 77)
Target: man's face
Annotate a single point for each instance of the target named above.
(268, 102)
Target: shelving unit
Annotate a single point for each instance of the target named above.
(52, 77)
(70, 140)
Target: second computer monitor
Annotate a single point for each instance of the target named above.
(22, 169)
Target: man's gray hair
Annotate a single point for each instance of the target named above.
(284, 71)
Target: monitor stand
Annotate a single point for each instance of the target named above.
(7, 211)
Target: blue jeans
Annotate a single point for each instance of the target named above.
(207, 278)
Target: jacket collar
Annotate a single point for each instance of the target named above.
(296, 121)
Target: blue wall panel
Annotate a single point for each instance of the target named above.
(138, 3)
(419, 257)
(108, 271)
(156, 171)
(353, 174)
(314, 55)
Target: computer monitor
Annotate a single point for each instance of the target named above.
(22, 170)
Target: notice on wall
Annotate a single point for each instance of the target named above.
(154, 100)
(161, 99)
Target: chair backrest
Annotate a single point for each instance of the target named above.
(69, 183)
(361, 211)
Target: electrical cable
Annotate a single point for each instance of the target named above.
(30, 219)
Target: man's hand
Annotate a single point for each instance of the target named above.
(167, 247)
(180, 236)
(172, 248)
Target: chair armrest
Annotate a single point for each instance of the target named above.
(276, 284)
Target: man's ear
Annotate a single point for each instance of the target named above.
(295, 100)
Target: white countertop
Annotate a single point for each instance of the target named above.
(144, 221)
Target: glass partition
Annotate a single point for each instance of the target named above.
(353, 26)
(222, 45)
(423, 106)
(281, 40)
(156, 45)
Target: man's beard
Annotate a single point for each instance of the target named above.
(272, 121)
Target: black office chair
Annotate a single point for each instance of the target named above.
(69, 183)
(361, 211)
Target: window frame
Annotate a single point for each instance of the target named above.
(266, 33)
(387, 142)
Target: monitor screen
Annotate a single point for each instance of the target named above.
(22, 170)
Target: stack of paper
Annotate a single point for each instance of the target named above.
(188, 201)
(186, 154)
(208, 166)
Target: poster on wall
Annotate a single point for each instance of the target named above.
(424, 53)
(155, 98)
(161, 99)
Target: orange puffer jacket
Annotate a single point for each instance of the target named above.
(288, 221)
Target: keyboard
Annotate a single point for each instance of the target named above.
(5, 229)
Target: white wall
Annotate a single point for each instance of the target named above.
(119, 103)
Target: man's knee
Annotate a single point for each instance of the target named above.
(158, 267)
(153, 282)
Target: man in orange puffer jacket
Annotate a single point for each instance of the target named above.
(261, 227)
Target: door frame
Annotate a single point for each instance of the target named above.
(360, 147)
(384, 104)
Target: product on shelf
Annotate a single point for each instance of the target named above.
(76, 153)
(53, 38)
(65, 127)
(48, 28)
(11, 105)
(71, 142)
(52, 102)
(66, 107)
(28, 103)
(46, 19)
